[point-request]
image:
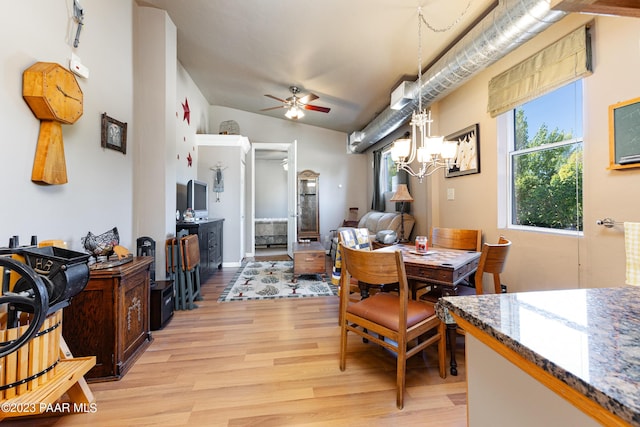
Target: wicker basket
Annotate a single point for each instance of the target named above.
(229, 127)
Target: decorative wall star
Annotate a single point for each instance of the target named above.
(189, 160)
(187, 112)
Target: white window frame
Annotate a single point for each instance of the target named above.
(384, 171)
(506, 141)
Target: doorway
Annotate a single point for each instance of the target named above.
(273, 172)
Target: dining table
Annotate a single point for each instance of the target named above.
(445, 267)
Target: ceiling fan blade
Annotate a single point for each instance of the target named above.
(274, 108)
(308, 98)
(276, 98)
(316, 108)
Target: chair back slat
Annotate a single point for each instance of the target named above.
(375, 268)
(492, 261)
(456, 238)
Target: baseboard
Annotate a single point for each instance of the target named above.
(231, 264)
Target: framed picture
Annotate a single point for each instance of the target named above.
(624, 134)
(467, 159)
(114, 134)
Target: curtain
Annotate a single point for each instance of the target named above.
(566, 60)
(377, 201)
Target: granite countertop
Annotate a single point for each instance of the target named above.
(587, 338)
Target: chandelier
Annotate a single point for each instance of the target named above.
(432, 152)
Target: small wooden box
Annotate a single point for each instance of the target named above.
(308, 258)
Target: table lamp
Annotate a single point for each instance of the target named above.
(402, 195)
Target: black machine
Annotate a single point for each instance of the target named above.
(47, 281)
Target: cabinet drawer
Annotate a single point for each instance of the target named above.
(309, 262)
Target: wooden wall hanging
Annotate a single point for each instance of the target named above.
(54, 96)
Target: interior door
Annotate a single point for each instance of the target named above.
(292, 200)
(243, 223)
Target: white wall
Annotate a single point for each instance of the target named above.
(343, 178)
(271, 189)
(185, 143)
(228, 207)
(154, 59)
(99, 193)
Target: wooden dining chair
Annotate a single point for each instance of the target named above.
(355, 238)
(393, 321)
(449, 238)
(492, 261)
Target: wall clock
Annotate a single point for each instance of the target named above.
(54, 96)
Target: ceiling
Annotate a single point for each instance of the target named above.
(351, 53)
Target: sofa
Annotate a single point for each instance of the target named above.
(375, 221)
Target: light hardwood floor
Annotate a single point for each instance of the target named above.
(268, 363)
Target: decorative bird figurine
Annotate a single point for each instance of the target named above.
(102, 244)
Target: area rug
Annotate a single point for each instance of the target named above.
(272, 280)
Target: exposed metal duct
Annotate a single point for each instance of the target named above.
(512, 23)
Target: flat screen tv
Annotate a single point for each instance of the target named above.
(198, 198)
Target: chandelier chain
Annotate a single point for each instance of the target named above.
(450, 26)
(432, 152)
(420, 59)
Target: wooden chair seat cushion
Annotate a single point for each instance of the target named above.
(382, 308)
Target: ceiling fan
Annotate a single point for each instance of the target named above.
(295, 104)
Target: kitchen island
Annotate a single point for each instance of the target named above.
(552, 358)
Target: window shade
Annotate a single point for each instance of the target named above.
(562, 62)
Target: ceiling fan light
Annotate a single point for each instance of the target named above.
(294, 113)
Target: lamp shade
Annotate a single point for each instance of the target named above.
(402, 194)
(400, 149)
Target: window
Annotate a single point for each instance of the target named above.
(544, 158)
(388, 173)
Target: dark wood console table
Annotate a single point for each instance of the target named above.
(109, 319)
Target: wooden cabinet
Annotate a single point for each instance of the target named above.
(308, 258)
(109, 319)
(210, 242)
(308, 205)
